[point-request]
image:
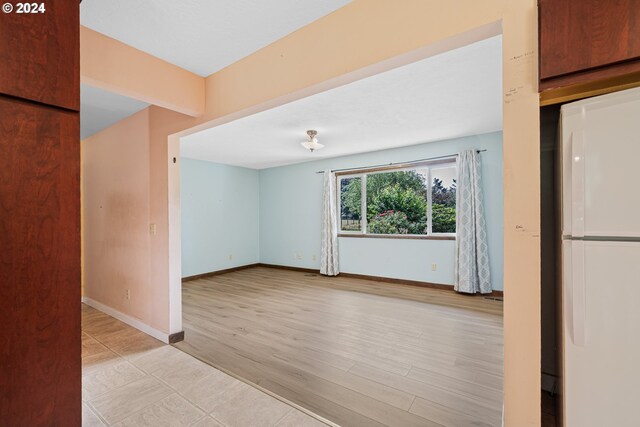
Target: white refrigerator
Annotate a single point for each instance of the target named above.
(600, 179)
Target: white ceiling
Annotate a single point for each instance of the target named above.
(454, 94)
(202, 36)
(100, 109)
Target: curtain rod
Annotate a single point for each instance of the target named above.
(396, 163)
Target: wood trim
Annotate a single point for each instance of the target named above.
(176, 337)
(587, 84)
(439, 286)
(593, 88)
(218, 272)
(287, 267)
(396, 166)
(396, 236)
(430, 285)
(398, 281)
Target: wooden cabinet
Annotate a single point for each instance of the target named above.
(40, 362)
(39, 54)
(586, 40)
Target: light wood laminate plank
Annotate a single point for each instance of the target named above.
(357, 352)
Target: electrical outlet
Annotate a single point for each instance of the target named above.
(152, 229)
(127, 294)
(299, 256)
(230, 257)
(434, 267)
(314, 257)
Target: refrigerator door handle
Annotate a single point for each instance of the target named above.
(578, 300)
(577, 183)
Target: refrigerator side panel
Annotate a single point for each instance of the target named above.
(559, 280)
(565, 325)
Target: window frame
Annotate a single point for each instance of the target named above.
(429, 165)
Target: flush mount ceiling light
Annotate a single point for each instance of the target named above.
(312, 144)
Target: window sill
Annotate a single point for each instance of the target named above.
(396, 236)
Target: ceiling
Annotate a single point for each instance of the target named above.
(100, 109)
(454, 94)
(202, 36)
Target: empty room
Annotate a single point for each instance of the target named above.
(323, 245)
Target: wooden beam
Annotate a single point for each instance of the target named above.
(108, 64)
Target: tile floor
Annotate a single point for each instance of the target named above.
(132, 379)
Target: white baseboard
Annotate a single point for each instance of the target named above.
(131, 321)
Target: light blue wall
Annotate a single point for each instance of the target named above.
(290, 211)
(220, 216)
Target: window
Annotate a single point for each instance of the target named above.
(351, 204)
(443, 199)
(415, 201)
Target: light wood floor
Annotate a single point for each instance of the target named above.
(357, 352)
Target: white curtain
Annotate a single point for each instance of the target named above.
(329, 249)
(472, 252)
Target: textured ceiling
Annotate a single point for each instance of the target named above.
(454, 94)
(100, 109)
(202, 36)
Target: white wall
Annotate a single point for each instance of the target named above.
(220, 216)
(290, 209)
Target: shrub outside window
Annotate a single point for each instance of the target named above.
(410, 201)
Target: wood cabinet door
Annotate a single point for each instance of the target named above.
(40, 349)
(579, 35)
(40, 54)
